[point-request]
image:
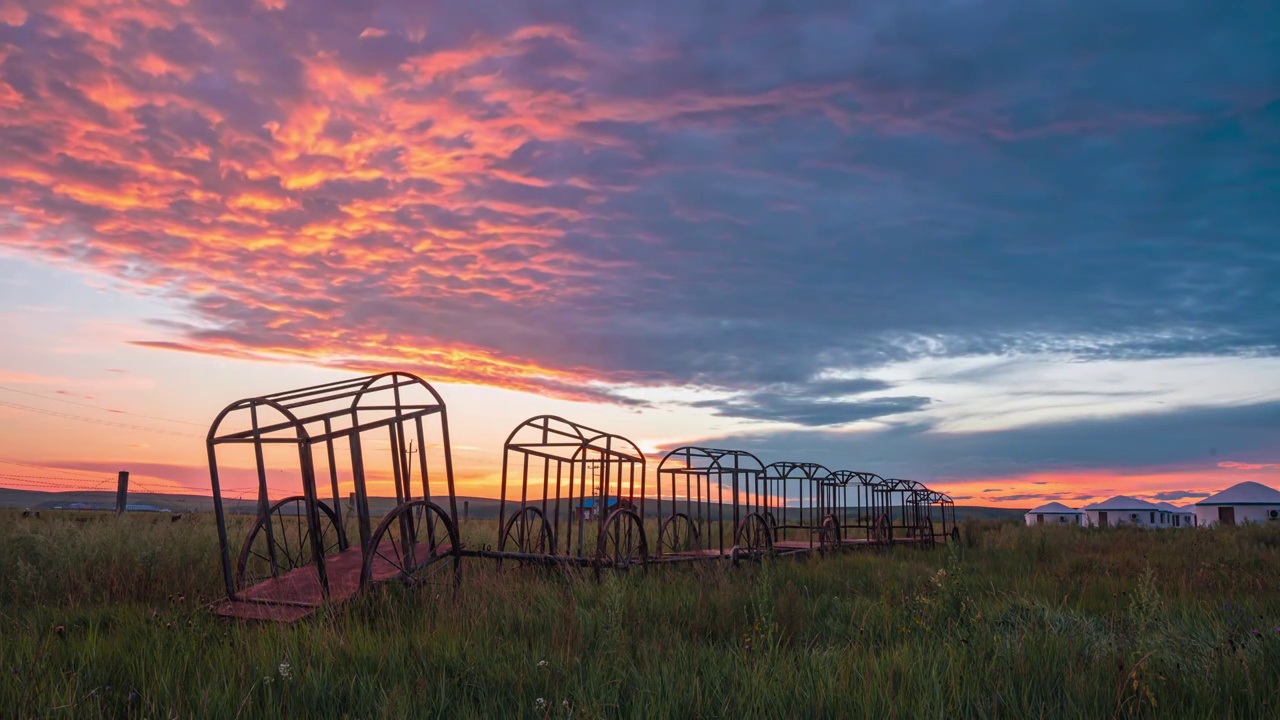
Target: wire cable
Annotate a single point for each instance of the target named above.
(99, 407)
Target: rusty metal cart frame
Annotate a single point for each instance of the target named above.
(812, 523)
(858, 507)
(945, 506)
(556, 459)
(906, 517)
(691, 501)
(297, 555)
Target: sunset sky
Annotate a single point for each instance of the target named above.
(1020, 251)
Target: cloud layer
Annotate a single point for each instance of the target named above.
(550, 196)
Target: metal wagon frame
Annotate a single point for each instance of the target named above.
(858, 507)
(297, 554)
(906, 512)
(540, 529)
(815, 517)
(691, 519)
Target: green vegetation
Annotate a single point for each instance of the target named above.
(105, 617)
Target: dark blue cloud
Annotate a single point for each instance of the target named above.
(739, 195)
(1194, 437)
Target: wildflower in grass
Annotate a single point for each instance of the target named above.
(286, 670)
(540, 704)
(542, 663)
(60, 630)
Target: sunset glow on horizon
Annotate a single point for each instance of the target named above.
(992, 247)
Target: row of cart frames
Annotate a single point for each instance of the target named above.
(570, 495)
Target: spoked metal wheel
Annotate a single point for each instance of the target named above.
(622, 544)
(678, 534)
(829, 533)
(881, 533)
(280, 541)
(529, 532)
(753, 539)
(415, 543)
(771, 522)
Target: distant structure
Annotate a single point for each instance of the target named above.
(1054, 514)
(1181, 517)
(1125, 510)
(1243, 503)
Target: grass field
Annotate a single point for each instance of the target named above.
(106, 617)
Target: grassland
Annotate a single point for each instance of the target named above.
(106, 617)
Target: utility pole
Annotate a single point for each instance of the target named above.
(122, 491)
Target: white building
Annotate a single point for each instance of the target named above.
(1054, 514)
(1181, 516)
(1124, 510)
(1243, 503)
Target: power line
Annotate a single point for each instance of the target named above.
(99, 407)
(97, 421)
(53, 483)
(49, 467)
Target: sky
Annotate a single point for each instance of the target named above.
(1020, 250)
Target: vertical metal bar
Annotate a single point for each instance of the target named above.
(568, 545)
(333, 482)
(546, 482)
(397, 453)
(403, 458)
(719, 506)
(422, 459)
(555, 525)
(582, 492)
(264, 504)
(735, 491)
(362, 491)
(448, 466)
(307, 463)
(220, 515)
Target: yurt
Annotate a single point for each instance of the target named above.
(1054, 514)
(1243, 503)
(1123, 510)
(1180, 517)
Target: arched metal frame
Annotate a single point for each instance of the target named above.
(691, 498)
(797, 505)
(946, 513)
(907, 512)
(315, 420)
(857, 504)
(572, 483)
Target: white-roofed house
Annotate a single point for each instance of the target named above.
(1242, 503)
(1181, 516)
(1054, 514)
(1124, 510)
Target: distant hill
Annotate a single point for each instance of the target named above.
(478, 508)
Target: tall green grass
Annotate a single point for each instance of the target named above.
(107, 617)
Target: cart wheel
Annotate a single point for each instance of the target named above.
(678, 534)
(622, 543)
(771, 522)
(881, 532)
(753, 538)
(280, 541)
(418, 543)
(527, 531)
(829, 533)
